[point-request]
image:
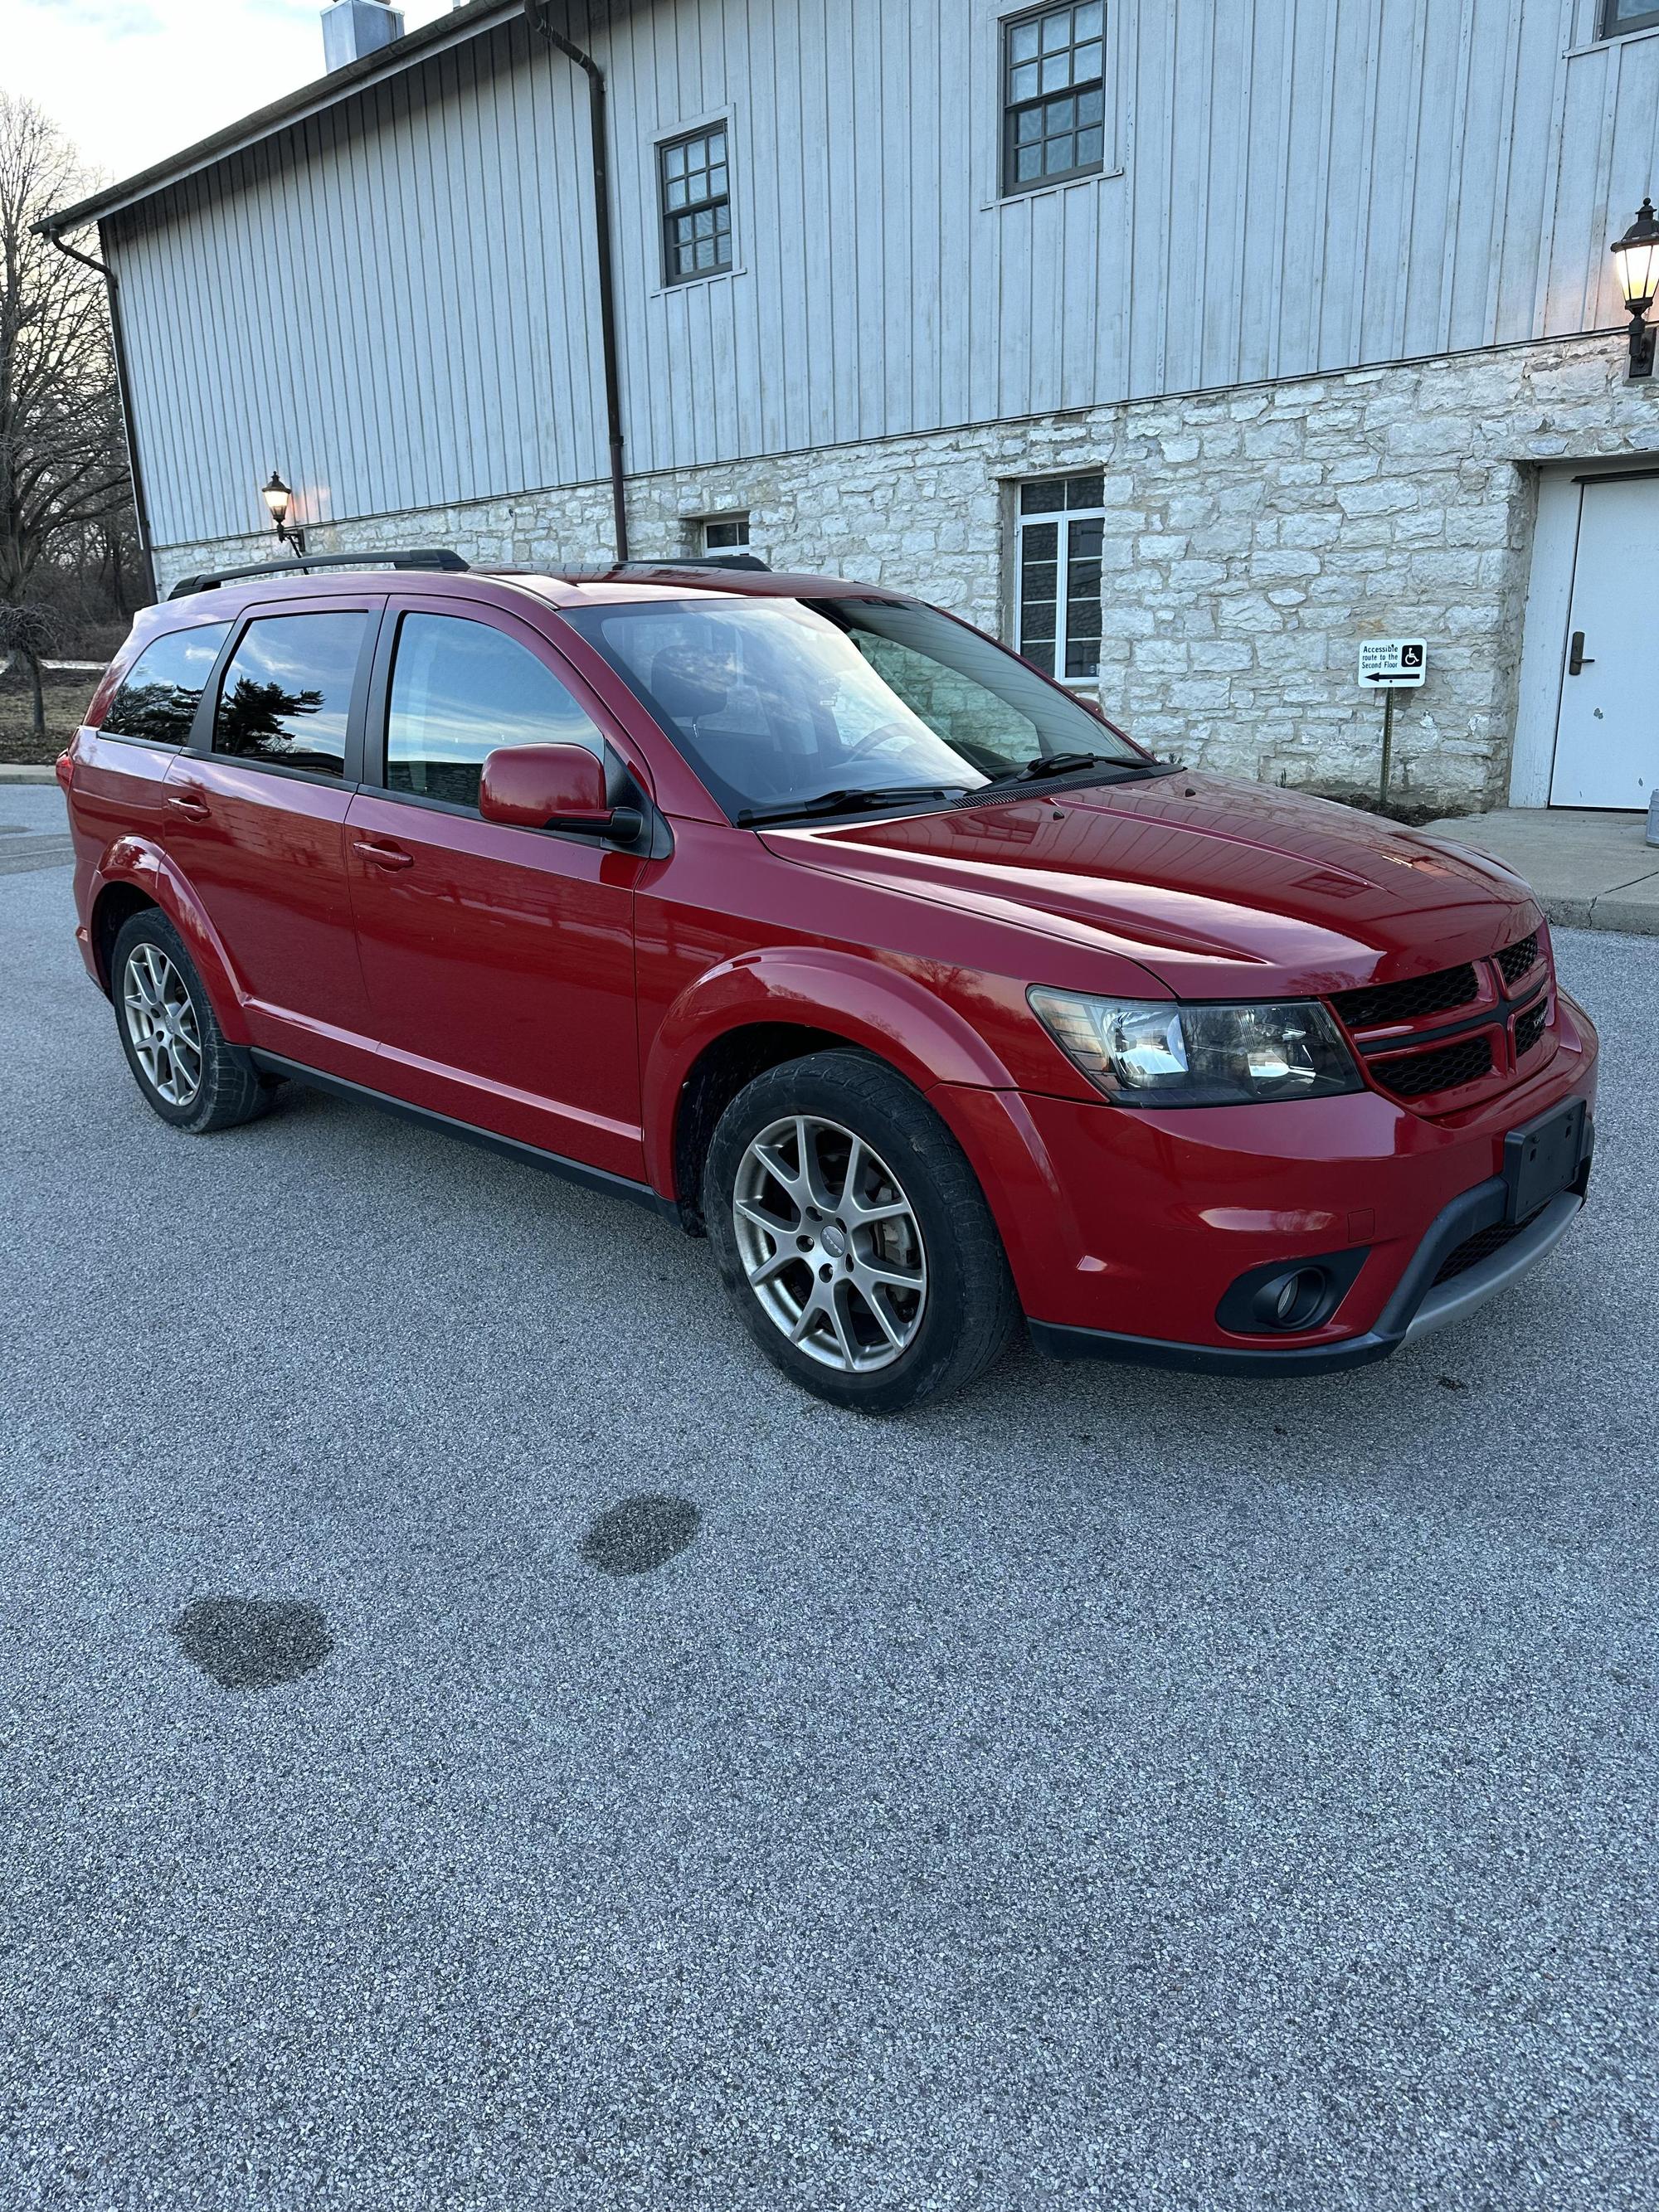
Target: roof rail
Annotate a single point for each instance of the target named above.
(703, 561)
(418, 557)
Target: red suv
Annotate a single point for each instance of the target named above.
(808, 916)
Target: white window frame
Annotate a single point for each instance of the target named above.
(1063, 516)
(738, 519)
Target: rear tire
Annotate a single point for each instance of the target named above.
(189, 1075)
(852, 1236)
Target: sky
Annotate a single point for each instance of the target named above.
(133, 81)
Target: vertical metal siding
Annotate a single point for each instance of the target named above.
(392, 302)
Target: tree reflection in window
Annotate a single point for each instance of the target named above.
(257, 719)
(156, 705)
(156, 713)
(287, 695)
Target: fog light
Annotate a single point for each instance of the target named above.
(1291, 1301)
(1291, 1296)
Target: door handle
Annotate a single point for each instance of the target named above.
(389, 857)
(190, 801)
(1577, 658)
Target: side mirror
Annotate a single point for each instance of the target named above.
(534, 786)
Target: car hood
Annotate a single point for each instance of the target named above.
(1218, 887)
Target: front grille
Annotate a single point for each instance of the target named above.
(1514, 963)
(1376, 1005)
(1417, 1004)
(1473, 1249)
(1414, 1076)
(1529, 1027)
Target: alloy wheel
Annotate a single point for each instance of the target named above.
(829, 1244)
(161, 1022)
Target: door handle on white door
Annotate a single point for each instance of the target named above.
(1576, 659)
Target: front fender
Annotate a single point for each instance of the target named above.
(876, 1001)
(147, 868)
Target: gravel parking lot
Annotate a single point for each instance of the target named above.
(1109, 1788)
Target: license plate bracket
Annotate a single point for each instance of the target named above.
(1542, 1158)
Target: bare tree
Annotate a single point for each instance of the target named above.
(28, 634)
(62, 456)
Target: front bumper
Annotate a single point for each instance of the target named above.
(1420, 1306)
(1125, 1230)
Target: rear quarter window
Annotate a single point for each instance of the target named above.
(158, 697)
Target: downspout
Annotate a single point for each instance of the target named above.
(537, 12)
(123, 392)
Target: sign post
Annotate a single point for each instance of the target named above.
(1390, 665)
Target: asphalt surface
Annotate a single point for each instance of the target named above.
(1108, 1788)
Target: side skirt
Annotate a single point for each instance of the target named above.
(270, 1063)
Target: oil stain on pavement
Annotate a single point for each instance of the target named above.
(640, 1534)
(253, 1643)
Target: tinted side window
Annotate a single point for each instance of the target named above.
(287, 693)
(460, 688)
(157, 701)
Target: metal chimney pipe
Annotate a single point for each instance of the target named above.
(352, 29)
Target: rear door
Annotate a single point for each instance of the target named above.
(256, 815)
(500, 961)
(121, 765)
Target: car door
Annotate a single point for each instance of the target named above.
(499, 961)
(124, 753)
(255, 820)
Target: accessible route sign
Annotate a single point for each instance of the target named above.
(1394, 663)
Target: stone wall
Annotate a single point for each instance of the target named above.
(1254, 537)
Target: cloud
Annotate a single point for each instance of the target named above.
(109, 18)
(133, 81)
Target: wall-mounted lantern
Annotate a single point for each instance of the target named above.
(276, 496)
(1636, 258)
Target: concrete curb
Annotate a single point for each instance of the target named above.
(1587, 869)
(10, 773)
(1624, 916)
(1636, 913)
(1633, 909)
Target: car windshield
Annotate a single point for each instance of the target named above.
(786, 703)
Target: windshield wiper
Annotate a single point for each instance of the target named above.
(1047, 764)
(845, 802)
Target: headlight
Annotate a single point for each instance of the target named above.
(1144, 1054)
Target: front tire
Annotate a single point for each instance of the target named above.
(852, 1236)
(173, 1043)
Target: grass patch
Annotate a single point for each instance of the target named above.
(66, 696)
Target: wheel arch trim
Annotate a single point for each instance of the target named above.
(136, 864)
(859, 1000)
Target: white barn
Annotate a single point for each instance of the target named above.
(1188, 345)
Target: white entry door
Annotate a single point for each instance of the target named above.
(1606, 735)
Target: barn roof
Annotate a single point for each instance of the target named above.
(324, 92)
